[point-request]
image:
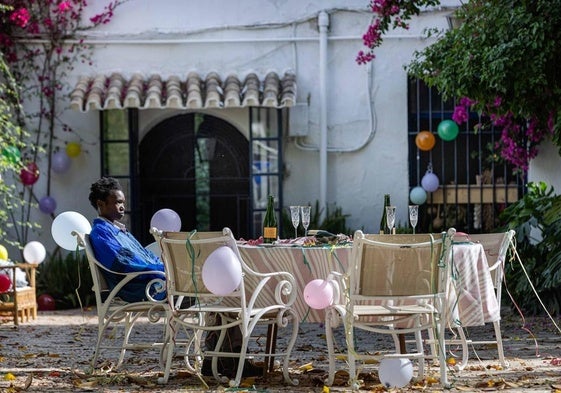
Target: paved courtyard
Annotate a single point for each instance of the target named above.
(52, 353)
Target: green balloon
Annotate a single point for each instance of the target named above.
(448, 130)
(12, 154)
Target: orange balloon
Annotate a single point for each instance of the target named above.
(425, 140)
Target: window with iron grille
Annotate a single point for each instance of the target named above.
(475, 184)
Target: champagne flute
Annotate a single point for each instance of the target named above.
(306, 210)
(295, 217)
(413, 216)
(390, 217)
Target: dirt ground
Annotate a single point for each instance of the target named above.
(53, 353)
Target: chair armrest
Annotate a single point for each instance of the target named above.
(284, 289)
(153, 287)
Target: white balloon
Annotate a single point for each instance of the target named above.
(34, 252)
(395, 372)
(166, 220)
(64, 224)
(222, 271)
(155, 248)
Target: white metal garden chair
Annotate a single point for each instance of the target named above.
(117, 318)
(395, 285)
(496, 246)
(251, 303)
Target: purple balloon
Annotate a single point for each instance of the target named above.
(430, 182)
(166, 220)
(47, 204)
(60, 162)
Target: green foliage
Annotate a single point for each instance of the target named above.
(335, 221)
(507, 50)
(67, 279)
(536, 218)
(11, 136)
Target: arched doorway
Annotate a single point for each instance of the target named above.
(198, 166)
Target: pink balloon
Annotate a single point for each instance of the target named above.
(5, 283)
(318, 294)
(222, 271)
(166, 220)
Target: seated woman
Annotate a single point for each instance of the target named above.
(115, 247)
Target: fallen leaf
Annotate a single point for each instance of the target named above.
(9, 377)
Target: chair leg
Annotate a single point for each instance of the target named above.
(499, 338)
(465, 349)
(166, 355)
(271, 347)
(329, 316)
(290, 346)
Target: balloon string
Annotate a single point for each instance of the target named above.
(193, 256)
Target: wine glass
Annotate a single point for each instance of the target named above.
(413, 216)
(305, 218)
(390, 217)
(295, 217)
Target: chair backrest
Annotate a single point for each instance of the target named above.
(396, 266)
(100, 287)
(496, 246)
(184, 254)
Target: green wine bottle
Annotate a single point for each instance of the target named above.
(383, 220)
(270, 230)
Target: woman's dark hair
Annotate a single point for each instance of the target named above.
(101, 189)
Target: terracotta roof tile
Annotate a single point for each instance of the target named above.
(101, 92)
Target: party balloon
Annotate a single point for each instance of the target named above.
(425, 140)
(166, 220)
(3, 253)
(418, 195)
(60, 162)
(34, 252)
(64, 224)
(46, 302)
(395, 372)
(430, 182)
(448, 130)
(222, 271)
(47, 204)
(12, 154)
(318, 294)
(155, 248)
(5, 283)
(73, 149)
(29, 174)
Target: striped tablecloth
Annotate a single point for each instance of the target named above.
(473, 299)
(305, 263)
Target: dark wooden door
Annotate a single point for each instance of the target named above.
(176, 172)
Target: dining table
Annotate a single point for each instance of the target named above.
(472, 299)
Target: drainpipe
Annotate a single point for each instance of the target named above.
(323, 22)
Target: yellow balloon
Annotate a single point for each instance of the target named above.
(73, 149)
(3, 253)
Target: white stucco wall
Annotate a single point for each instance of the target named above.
(366, 105)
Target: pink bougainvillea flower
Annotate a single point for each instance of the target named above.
(460, 114)
(64, 6)
(20, 17)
